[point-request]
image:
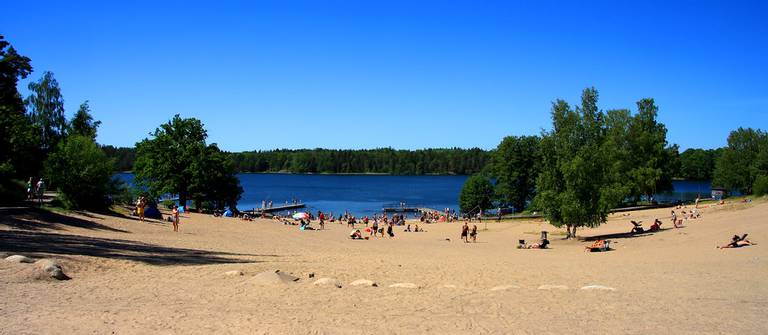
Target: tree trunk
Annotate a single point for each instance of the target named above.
(182, 198)
(573, 235)
(568, 232)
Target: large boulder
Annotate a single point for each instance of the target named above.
(50, 269)
(19, 259)
(364, 282)
(274, 277)
(328, 282)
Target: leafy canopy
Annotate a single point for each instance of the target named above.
(476, 194)
(81, 172)
(178, 161)
(576, 187)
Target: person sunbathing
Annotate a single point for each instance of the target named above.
(738, 242)
(542, 245)
(637, 227)
(656, 226)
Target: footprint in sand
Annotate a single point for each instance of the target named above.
(504, 287)
(553, 287)
(404, 285)
(597, 288)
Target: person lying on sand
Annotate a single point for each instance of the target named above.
(738, 242)
(637, 227)
(542, 245)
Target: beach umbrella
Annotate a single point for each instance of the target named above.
(301, 215)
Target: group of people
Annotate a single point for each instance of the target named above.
(141, 205)
(35, 191)
(467, 234)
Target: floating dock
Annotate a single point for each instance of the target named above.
(283, 208)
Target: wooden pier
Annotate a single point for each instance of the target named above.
(259, 211)
(407, 209)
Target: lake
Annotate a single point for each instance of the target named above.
(368, 194)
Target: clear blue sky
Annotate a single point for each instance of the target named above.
(411, 74)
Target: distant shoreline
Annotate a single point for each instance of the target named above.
(341, 174)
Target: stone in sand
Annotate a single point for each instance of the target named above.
(553, 287)
(233, 273)
(50, 268)
(274, 277)
(598, 288)
(327, 282)
(504, 287)
(19, 259)
(449, 286)
(364, 282)
(404, 285)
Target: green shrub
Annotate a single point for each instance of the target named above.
(81, 172)
(169, 203)
(760, 186)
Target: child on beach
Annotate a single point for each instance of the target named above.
(175, 218)
(473, 233)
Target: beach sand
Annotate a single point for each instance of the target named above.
(130, 277)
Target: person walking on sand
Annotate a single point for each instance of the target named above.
(464, 232)
(176, 218)
(473, 233)
(40, 191)
(375, 227)
(29, 189)
(140, 204)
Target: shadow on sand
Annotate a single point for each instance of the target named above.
(31, 243)
(39, 219)
(623, 235)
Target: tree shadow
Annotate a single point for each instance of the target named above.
(623, 235)
(39, 244)
(36, 219)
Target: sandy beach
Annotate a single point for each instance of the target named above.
(132, 277)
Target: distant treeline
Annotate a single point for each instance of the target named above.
(695, 164)
(386, 161)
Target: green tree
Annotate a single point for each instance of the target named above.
(576, 187)
(476, 194)
(83, 124)
(514, 165)
(743, 160)
(215, 181)
(46, 108)
(81, 172)
(637, 150)
(698, 164)
(176, 161)
(19, 154)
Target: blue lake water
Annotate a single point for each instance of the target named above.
(368, 194)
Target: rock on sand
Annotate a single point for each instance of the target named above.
(49, 268)
(364, 282)
(404, 285)
(233, 273)
(327, 282)
(19, 259)
(274, 277)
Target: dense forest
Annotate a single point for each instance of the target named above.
(695, 164)
(385, 161)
